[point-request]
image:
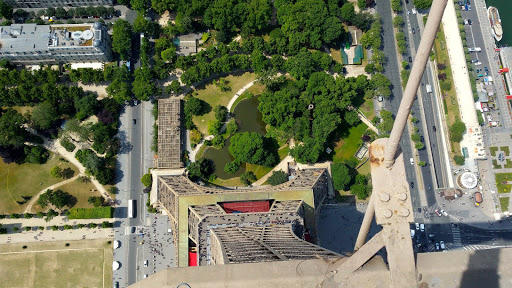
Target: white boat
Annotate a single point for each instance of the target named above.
(494, 18)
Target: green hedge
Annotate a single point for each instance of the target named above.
(91, 213)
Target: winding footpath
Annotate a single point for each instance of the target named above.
(35, 197)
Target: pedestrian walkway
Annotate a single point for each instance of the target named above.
(35, 197)
(57, 220)
(457, 241)
(59, 235)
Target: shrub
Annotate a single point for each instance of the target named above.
(278, 177)
(55, 227)
(93, 225)
(67, 144)
(68, 227)
(27, 228)
(247, 178)
(15, 229)
(91, 213)
(146, 179)
(459, 160)
(41, 228)
(232, 167)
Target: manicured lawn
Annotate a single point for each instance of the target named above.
(495, 164)
(82, 191)
(86, 263)
(367, 109)
(347, 148)
(255, 90)
(502, 182)
(493, 150)
(506, 150)
(450, 98)
(26, 180)
(283, 152)
(213, 96)
(365, 168)
(336, 55)
(508, 164)
(504, 201)
(258, 170)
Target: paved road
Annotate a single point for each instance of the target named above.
(393, 74)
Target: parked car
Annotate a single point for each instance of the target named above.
(422, 227)
(134, 121)
(437, 246)
(412, 233)
(417, 226)
(410, 59)
(146, 263)
(380, 98)
(437, 213)
(441, 243)
(412, 161)
(444, 213)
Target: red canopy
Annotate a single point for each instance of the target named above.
(192, 258)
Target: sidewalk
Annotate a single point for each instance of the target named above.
(57, 220)
(64, 235)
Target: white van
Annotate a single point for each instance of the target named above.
(412, 161)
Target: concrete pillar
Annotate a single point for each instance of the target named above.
(427, 40)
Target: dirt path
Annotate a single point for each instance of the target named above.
(35, 197)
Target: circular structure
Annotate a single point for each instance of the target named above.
(116, 265)
(97, 25)
(467, 180)
(76, 35)
(87, 35)
(96, 43)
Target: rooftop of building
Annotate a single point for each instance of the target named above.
(169, 133)
(21, 38)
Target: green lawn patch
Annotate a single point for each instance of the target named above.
(506, 150)
(347, 147)
(91, 213)
(502, 182)
(504, 201)
(495, 164)
(26, 180)
(283, 152)
(493, 150)
(212, 95)
(367, 109)
(509, 164)
(364, 169)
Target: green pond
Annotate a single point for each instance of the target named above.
(249, 119)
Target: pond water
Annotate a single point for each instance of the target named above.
(249, 119)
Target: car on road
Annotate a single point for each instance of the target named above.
(419, 210)
(441, 243)
(422, 227)
(469, 21)
(412, 233)
(434, 128)
(412, 184)
(413, 32)
(116, 284)
(145, 276)
(444, 213)
(410, 59)
(417, 226)
(474, 61)
(437, 246)
(414, 11)
(412, 161)
(146, 263)
(429, 187)
(437, 213)
(133, 229)
(134, 121)
(141, 242)
(380, 98)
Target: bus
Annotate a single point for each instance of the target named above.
(131, 208)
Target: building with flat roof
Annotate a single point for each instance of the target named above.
(52, 44)
(169, 134)
(222, 225)
(57, 3)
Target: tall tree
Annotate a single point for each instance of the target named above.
(12, 132)
(122, 38)
(44, 115)
(251, 148)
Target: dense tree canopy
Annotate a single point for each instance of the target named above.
(11, 131)
(308, 22)
(201, 169)
(457, 131)
(57, 198)
(277, 177)
(122, 38)
(252, 148)
(44, 115)
(422, 4)
(340, 176)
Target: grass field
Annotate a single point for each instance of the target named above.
(502, 182)
(365, 168)
(82, 191)
(367, 109)
(450, 98)
(493, 150)
(336, 55)
(506, 150)
(504, 201)
(347, 147)
(255, 90)
(212, 95)
(26, 180)
(86, 263)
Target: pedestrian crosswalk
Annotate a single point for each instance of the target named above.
(457, 241)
